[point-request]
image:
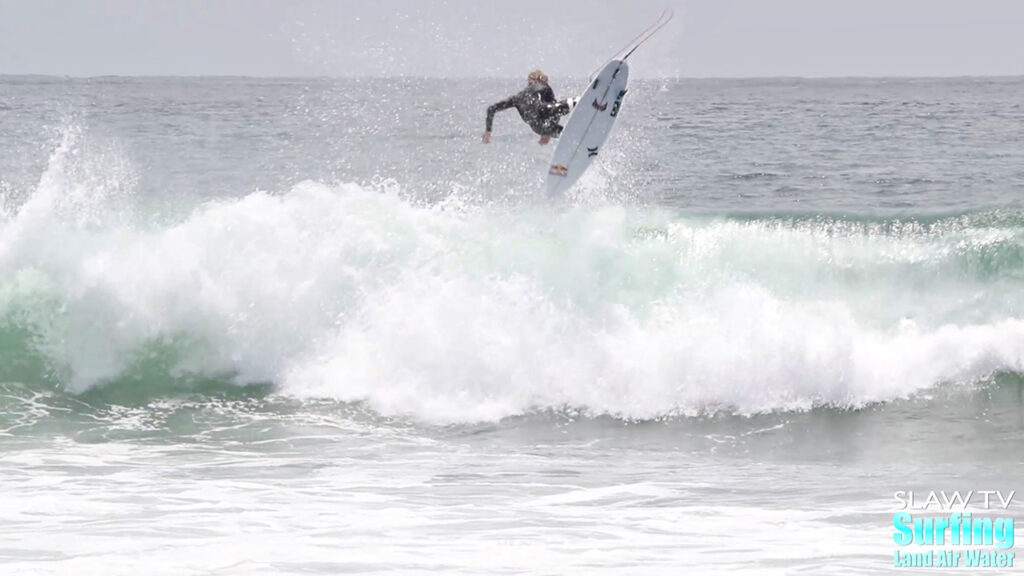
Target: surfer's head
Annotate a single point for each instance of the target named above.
(537, 77)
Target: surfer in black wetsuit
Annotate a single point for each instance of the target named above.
(536, 104)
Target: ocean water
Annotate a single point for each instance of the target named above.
(315, 326)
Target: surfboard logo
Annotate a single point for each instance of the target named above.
(591, 152)
(558, 170)
(599, 106)
(618, 102)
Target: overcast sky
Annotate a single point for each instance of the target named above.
(460, 38)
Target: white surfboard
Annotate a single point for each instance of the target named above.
(588, 127)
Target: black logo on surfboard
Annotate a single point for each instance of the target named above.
(618, 102)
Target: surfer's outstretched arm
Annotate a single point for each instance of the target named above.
(498, 107)
(494, 108)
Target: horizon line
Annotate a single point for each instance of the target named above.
(491, 77)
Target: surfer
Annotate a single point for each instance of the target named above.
(536, 105)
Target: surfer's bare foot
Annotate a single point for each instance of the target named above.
(544, 140)
(487, 137)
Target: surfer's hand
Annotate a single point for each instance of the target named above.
(487, 137)
(544, 140)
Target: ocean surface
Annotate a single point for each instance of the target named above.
(312, 326)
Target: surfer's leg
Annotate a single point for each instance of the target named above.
(551, 128)
(563, 107)
(548, 130)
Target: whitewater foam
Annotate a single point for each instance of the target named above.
(460, 311)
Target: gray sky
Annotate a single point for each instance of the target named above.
(460, 38)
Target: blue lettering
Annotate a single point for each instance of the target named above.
(1003, 532)
(903, 535)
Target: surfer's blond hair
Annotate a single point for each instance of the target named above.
(537, 76)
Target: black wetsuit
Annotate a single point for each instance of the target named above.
(536, 104)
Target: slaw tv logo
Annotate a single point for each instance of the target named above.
(972, 529)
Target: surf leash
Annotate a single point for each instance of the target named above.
(665, 18)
